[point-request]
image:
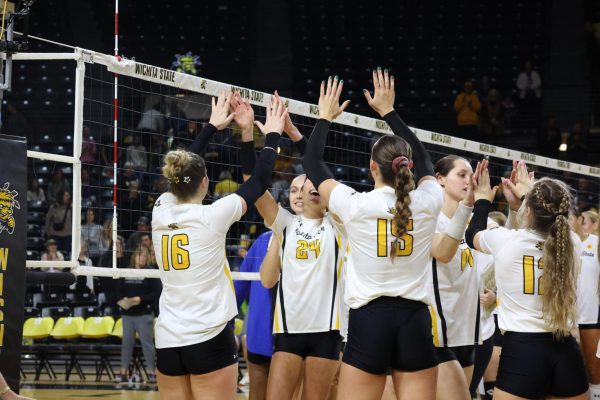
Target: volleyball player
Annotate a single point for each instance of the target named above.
(590, 222)
(536, 271)
(588, 306)
(260, 310)
(306, 316)
(455, 313)
(196, 349)
(390, 232)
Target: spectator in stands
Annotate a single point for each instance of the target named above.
(107, 285)
(89, 151)
(35, 192)
(132, 203)
(467, 106)
(136, 299)
(152, 120)
(57, 185)
(143, 229)
(15, 123)
(105, 237)
(52, 254)
(550, 139)
(577, 149)
(184, 138)
(136, 154)
(492, 117)
(83, 284)
(529, 83)
(90, 191)
(91, 233)
(59, 221)
(226, 184)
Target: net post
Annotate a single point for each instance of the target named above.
(77, 142)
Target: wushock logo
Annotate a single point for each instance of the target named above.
(8, 203)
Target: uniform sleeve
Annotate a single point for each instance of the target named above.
(224, 212)
(344, 202)
(493, 240)
(283, 219)
(431, 193)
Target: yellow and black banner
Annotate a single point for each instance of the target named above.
(13, 246)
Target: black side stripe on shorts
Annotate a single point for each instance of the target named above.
(335, 266)
(283, 321)
(438, 302)
(477, 322)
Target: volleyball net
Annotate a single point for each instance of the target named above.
(155, 110)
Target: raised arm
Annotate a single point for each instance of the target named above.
(514, 188)
(270, 268)
(382, 103)
(484, 195)
(220, 117)
(293, 132)
(329, 109)
(253, 190)
(244, 117)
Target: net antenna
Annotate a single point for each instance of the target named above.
(8, 45)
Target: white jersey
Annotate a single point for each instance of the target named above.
(311, 265)
(367, 217)
(588, 307)
(484, 263)
(198, 298)
(517, 255)
(455, 313)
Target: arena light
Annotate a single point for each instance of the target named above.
(562, 147)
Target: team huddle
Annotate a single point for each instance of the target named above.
(388, 281)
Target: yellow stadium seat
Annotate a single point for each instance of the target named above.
(118, 329)
(67, 328)
(38, 328)
(97, 327)
(239, 325)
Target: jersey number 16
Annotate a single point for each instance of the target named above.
(405, 243)
(172, 252)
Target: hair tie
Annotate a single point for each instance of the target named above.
(400, 161)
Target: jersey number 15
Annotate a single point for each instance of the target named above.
(405, 243)
(173, 253)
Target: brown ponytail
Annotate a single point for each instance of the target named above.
(550, 202)
(392, 155)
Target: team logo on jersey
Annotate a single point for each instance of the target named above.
(589, 246)
(157, 203)
(8, 203)
(392, 210)
(173, 226)
(539, 246)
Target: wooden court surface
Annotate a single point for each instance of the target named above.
(74, 390)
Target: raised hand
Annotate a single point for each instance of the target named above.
(469, 199)
(382, 101)
(329, 99)
(220, 115)
(243, 116)
(482, 188)
(289, 128)
(276, 115)
(520, 182)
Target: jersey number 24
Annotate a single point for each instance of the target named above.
(174, 255)
(405, 243)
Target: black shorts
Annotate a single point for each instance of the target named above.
(535, 365)
(316, 344)
(258, 359)
(390, 333)
(200, 358)
(498, 336)
(465, 355)
(589, 326)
